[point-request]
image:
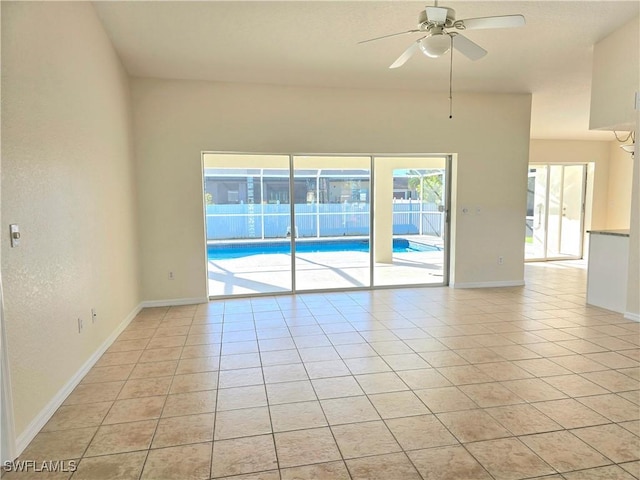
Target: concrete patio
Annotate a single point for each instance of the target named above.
(271, 272)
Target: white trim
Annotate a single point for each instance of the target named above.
(174, 302)
(506, 283)
(8, 450)
(46, 413)
(632, 316)
(8, 440)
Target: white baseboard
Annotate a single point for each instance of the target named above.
(173, 302)
(507, 283)
(47, 412)
(632, 316)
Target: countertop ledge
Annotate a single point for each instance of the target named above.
(615, 233)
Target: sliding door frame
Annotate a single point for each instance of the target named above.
(583, 202)
(446, 261)
(372, 192)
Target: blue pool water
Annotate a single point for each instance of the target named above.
(222, 251)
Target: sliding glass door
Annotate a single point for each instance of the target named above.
(299, 223)
(555, 212)
(248, 214)
(410, 221)
(332, 218)
(571, 217)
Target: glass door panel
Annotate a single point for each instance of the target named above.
(536, 229)
(554, 210)
(554, 224)
(332, 219)
(410, 220)
(571, 220)
(247, 218)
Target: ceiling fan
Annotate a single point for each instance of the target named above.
(441, 28)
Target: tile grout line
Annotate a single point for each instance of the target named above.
(332, 334)
(266, 394)
(144, 463)
(328, 426)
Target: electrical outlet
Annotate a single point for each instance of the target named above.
(171, 276)
(79, 325)
(94, 315)
(500, 260)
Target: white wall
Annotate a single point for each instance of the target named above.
(68, 181)
(633, 279)
(616, 79)
(614, 90)
(619, 189)
(175, 120)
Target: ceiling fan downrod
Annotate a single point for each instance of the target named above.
(451, 80)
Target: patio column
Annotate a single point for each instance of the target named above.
(383, 212)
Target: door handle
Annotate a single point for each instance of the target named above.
(539, 216)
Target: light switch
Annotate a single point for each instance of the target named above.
(14, 231)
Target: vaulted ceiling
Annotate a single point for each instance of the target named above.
(315, 43)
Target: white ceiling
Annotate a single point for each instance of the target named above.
(316, 44)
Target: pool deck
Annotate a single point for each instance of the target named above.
(271, 273)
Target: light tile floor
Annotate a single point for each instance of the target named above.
(431, 383)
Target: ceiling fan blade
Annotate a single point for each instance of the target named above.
(387, 36)
(437, 14)
(406, 55)
(505, 21)
(469, 49)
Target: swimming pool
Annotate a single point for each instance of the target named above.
(230, 250)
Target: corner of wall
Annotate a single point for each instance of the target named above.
(620, 178)
(633, 278)
(39, 421)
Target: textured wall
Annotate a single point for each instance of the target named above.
(620, 180)
(633, 281)
(67, 179)
(175, 121)
(616, 79)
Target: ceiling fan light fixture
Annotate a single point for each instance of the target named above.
(629, 148)
(435, 45)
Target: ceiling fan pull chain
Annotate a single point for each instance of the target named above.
(451, 79)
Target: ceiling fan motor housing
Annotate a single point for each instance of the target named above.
(424, 23)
